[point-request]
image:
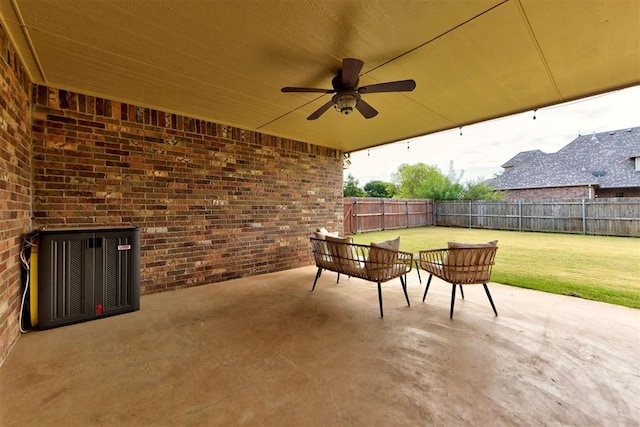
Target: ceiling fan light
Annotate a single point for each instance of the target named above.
(345, 103)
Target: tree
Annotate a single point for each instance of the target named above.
(409, 178)
(449, 188)
(479, 190)
(379, 189)
(420, 181)
(350, 187)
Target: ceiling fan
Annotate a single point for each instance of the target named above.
(348, 94)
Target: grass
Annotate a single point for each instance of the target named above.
(599, 268)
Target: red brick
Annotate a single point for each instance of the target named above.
(194, 185)
(211, 201)
(16, 182)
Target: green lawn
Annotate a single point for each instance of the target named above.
(599, 268)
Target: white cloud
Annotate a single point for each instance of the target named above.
(483, 147)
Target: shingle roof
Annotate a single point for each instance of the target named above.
(522, 157)
(605, 159)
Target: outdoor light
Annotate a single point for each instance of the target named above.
(345, 103)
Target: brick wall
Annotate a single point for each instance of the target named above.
(213, 202)
(578, 192)
(15, 192)
(617, 192)
(551, 193)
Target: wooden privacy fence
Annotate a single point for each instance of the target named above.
(372, 214)
(610, 217)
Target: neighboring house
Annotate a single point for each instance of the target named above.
(604, 164)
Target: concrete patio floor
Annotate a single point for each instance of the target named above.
(266, 351)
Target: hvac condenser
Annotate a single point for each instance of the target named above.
(86, 274)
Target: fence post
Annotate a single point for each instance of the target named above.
(470, 213)
(584, 217)
(384, 220)
(347, 217)
(433, 213)
(519, 215)
(355, 213)
(406, 205)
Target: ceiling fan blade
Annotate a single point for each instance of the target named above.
(320, 111)
(366, 110)
(399, 86)
(351, 68)
(306, 89)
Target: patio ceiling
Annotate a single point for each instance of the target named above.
(225, 61)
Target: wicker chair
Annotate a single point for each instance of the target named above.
(373, 263)
(460, 264)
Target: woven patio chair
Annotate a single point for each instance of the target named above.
(460, 264)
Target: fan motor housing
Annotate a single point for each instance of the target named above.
(336, 82)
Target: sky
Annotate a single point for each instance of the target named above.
(483, 147)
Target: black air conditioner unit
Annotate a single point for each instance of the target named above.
(87, 274)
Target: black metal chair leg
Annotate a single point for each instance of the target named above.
(418, 270)
(380, 299)
(404, 288)
(338, 279)
(318, 273)
(486, 289)
(461, 291)
(427, 288)
(453, 300)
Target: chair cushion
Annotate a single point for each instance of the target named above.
(457, 257)
(458, 245)
(340, 251)
(338, 239)
(344, 254)
(382, 258)
(321, 234)
(393, 244)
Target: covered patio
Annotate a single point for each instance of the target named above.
(169, 116)
(266, 350)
